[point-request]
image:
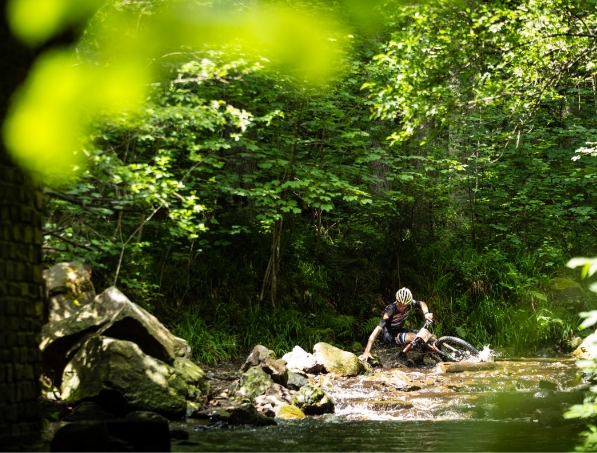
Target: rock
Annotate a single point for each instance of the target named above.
(547, 417)
(111, 314)
(546, 352)
(289, 412)
(246, 414)
(587, 349)
(193, 410)
(193, 376)
(89, 411)
(254, 382)
(276, 368)
(69, 288)
(295, 381)
(300, 360)
(120, 377)
(273, 398)
(257, 356)
(337, 361)
(133, 323)
(313, 401)
(220, 415)
(547, 385)
(146, 416)
(179, 434)
(122, 435)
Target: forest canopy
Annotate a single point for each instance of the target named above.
(266, 174)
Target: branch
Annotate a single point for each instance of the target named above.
(69, 241)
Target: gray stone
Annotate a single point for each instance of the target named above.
(295, 381)
(254, 382)
(122, 378)
(257, 356)
(337, 361)
(111, 314)
(69, 287)
(313, 401)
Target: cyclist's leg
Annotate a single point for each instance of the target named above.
(405, 336)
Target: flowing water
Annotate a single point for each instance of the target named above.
(511, 405)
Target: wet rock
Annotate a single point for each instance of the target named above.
(246, 414)
(122, 435)
(221, 415)
(390, 405)
(254, 382)
(547, 417)
(258, 355)
(119, 376)
(89, 411)
(146, 416)
(299, 360)
(547, 385)
(289, 412)
(276, 368)
(546, 352)
(313, 401)
(295, 381)
(337, 361)
(179, 434)
(69, 287)
(587, 349)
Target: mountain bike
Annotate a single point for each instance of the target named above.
(453, 349)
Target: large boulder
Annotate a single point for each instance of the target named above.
(337, 361)
(254, 382)
(69, 289)
(313, 401)
(299, 360)
(111, 314)
(193, 376)
(119, 376)
(588, 348)
(259, 355)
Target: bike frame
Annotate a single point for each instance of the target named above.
(422, 335)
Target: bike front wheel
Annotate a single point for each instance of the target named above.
(456, 349)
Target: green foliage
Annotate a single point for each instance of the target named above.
(209, 345)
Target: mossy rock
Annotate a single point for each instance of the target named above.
(313, 401)
(289, 412)
(561, 283)
(254, 382)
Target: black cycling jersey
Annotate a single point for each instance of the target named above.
(398, 313)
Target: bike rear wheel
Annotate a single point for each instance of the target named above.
(455, 349)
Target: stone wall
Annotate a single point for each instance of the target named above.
(21, 296)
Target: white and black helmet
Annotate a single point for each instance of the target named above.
(404, 296)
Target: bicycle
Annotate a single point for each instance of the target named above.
(451, 348)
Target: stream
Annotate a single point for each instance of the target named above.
(513, 405)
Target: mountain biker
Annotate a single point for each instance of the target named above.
(392, 322)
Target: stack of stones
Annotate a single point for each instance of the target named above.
(21, 295)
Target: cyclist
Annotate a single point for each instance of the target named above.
(392, 322)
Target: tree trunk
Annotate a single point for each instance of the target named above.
(21, 281)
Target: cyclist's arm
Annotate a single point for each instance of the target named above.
(367, 354)
(425, 310)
